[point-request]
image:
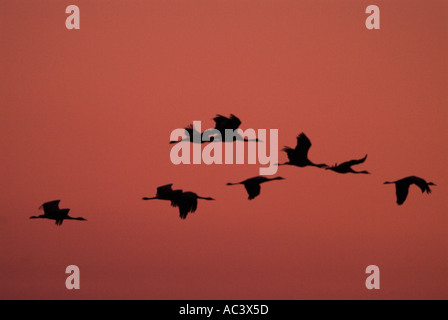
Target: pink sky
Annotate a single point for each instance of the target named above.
(86, 118)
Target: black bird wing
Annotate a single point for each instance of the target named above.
(253, 189)
(50, 207)
(234, 122)
(303, 145)
(174, 197)
(353, 162)
(162, 190)
(187, 203)
(222, 123)
(401, 190)
(189, 131)
(166, 192)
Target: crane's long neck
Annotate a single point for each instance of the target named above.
(205, 198)
(276, 178)
(146, 198)
(361, 172)
(75, 218)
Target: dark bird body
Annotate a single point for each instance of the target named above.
(186, 201)
(252, 185)
(52, 212)
(402, 187)
(346, 167)
(299, 155)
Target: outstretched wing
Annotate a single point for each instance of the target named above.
(401, 190)
(253, 189)
(187, 203)
(162, 190)
(222, 123)
(303, 145)
(189, 130)
(353, 162)
(166, 192)
(174, 197)
(234, 122)
(50, 207)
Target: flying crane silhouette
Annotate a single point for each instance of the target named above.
(52, 212)
(223, 123)
(402, 187)
(299, 155)
(346, 167)
(187, 201)
(252, 185)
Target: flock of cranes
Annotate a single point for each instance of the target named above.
(187, 201)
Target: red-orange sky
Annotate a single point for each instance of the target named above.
(86, 117)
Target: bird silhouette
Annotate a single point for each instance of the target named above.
(186, 201)
(299, 155)
(252, 185)
(346, 167)
(52, 212)
(191, 132)
(223, 123)
(402, 187)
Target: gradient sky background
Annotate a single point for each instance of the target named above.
(86, 117)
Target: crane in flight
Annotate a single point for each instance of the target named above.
(346, 167)
(52, 212)
(252, 185)
(402, 187)
(186, 201)
(299, 155)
